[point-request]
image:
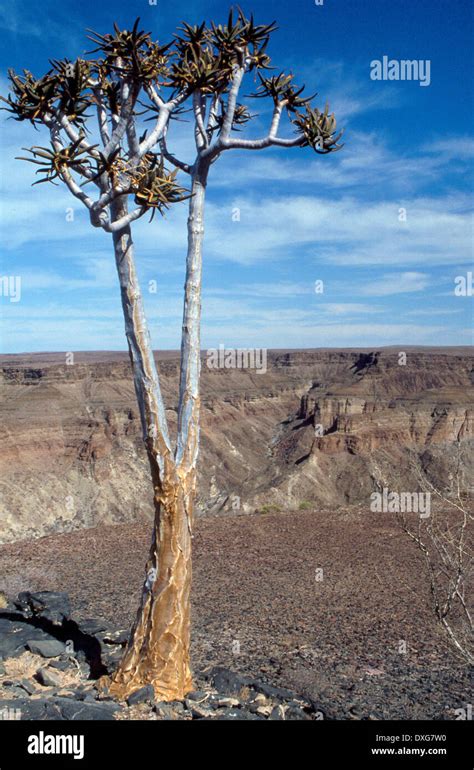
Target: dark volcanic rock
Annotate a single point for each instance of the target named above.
(47, 648)
(228, 682)
(48, 678)
(142, 695)
(174, 710)
(278, 713)
(15, 691)
(15, 635)
(92, 626)
(34, 709)
(77, 710)
(200, 710)
(27, 686)
(50, 605)
(111, 657)
(239, 715)
(294, 713)
(271, 692)
(113, 636)
(197, 695)
(61, 665)
(59, 709)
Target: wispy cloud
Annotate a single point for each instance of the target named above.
(346, 231)
(459, 147)
(432, 312)
(396, 283)
(385, 222)
(61, 22)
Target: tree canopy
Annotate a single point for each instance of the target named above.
(129, 78)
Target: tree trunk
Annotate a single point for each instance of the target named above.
(158, 651)
(189, 401)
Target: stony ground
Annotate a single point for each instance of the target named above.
(333, 606)
(46, 676)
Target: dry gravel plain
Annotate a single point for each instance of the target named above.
(320, 602)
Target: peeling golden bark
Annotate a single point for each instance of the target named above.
(158, 650)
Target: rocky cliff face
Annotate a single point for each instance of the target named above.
(318, 428)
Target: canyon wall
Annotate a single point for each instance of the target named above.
(319, 428)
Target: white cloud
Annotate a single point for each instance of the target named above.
(62, 26)
(432, 312)
(280, 290)
(396, 283)
(346, 231)
(461, 147)
(58, 328)
(348, 308)
(340, 210)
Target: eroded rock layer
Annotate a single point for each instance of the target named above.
(319, 427)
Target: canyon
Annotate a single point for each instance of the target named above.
(319, 429)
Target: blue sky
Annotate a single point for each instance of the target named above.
(303, 217)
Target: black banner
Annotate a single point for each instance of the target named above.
(114, 743)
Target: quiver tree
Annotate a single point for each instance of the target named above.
(92, 108)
